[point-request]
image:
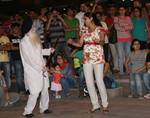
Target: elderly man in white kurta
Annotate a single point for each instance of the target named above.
(35, 74)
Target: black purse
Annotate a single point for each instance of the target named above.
(112, 35)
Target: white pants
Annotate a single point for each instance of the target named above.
(44, 101)
(98, 71)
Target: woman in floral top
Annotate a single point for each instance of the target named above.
(92, 36)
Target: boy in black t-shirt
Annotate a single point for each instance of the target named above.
(15, 57)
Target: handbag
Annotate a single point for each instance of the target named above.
(112, 37)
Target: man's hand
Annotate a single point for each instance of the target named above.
(52, 50)
(69, 41)
(44, 69)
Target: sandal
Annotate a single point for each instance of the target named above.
(105, 110)
(94, 110)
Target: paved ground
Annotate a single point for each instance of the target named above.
(74, 107)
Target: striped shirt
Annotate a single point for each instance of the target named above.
(123, 27)
(56, 31)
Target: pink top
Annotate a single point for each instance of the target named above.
(123, 27)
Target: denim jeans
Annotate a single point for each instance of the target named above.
(5, 66)
(146, 78)
(18, 71)
(2, 97)
(81, 80)
(123, 51)
(65, 86)
(136, 83)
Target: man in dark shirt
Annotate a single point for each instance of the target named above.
(15, 57)
(56, 30)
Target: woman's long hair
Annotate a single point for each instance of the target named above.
(94, 18)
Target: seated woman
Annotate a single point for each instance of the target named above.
(135, 66)
(67, 80)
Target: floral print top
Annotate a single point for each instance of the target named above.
(92, 50)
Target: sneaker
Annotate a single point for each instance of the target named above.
(147, 96)
(130, 96)
(58, 96)
(8, 103)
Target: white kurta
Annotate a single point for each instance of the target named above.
(33, 63)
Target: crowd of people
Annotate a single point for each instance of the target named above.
(95, 42)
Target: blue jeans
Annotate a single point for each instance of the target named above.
(65, 86)
(5, 66)
(81, 80)
(2, 97)
(18, 71)
(146, 78)
(123, 51)
(67, 83)
(136, 83)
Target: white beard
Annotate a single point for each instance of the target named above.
(34, 38)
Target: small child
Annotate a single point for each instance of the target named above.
(4, 97)
(55, 84)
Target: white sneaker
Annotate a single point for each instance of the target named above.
(58, 96)
(130, 96)
(8, 103)
(147, 96)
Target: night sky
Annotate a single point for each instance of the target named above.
(17, 5)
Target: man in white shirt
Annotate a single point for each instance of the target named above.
(35, 73)
(80, 15)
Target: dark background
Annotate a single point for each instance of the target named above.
(16, 5)
(13, 6)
